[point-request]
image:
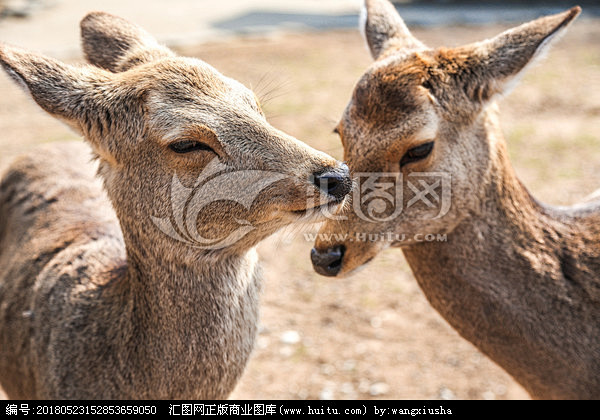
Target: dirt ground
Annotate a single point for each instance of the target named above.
(373, 335)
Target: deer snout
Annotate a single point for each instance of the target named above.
(328, 262)
(335, 182)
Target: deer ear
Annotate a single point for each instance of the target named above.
(78, 96)
(494, 66)
(383, 28)
(116, 44)
(60, 89)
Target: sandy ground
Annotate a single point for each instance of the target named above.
(374, 335)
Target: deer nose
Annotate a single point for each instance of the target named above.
(335, 182)
(329, 262)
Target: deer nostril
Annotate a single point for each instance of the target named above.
(328, 263)
(335, 182)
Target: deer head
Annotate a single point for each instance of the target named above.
(425, 119)
(175, 137)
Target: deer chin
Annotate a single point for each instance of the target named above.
(355, 270)
(353, 264)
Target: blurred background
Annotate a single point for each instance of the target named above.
(372, 335)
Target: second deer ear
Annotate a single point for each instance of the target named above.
(494, 66)
(116, 44)
(383, 28)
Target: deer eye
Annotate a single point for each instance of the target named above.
(187, 146)
(417, 153)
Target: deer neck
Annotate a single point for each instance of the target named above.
(500, 280)
(191, 280)
(193, 310)
(508, 238)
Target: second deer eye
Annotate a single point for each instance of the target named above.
(417, 153)
(187, 146)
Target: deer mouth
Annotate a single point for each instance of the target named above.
(331, 207)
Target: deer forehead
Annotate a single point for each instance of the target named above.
(190, 93)
(370, 147)
(389, 103)
(390, 91)
(174, 119)
(182, 80)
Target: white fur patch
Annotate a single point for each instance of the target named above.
(430, 129)
(362, 21)
(173, 134)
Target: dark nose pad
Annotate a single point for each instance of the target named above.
(335, 182)
(329, 262)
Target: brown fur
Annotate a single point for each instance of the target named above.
(95, 301)
(518, 279)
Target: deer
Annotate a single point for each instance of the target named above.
(517, 278)
(98, 299)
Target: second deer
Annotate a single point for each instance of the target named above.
(517, 278)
